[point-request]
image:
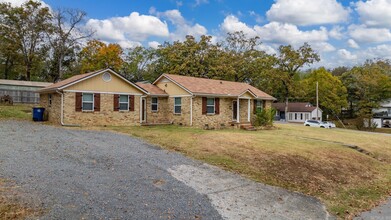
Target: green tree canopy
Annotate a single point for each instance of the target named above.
(332, 93)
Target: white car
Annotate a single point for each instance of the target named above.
(330, 124)
(315, 123)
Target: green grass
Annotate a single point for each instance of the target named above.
(16, 111)
(313, 161)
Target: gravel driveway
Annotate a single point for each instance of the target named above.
(77, 174)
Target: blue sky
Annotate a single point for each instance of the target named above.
(342, 32)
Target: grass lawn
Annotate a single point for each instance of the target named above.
(313, 161)
(16, 111)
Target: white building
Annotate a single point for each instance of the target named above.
(382, 115)
(297, 112)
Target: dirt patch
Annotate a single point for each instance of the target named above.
(11, 204)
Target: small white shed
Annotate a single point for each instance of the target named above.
(297, 112)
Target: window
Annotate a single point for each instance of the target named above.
(307, 116)
(50, 100)
(178, 105)
(258, 105)
(154, 104)
(123, 102)
(88, 102)
(301, 116)
(295, 116)
(290, 116)
(210, 106)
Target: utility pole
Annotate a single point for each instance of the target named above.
(317, 100)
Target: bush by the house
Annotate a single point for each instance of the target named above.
(264, 117)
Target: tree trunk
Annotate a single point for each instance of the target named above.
(28, 72)
(6, 68)
(286, 108)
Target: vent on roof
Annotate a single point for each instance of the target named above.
(106, 77)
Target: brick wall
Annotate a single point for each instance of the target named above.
(161, 115)
(53, 110)
(106, 115)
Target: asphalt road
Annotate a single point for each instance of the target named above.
(74, 174)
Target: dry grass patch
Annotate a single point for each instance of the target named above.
(11, 207)
(309, 160)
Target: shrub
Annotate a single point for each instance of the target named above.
(264, 117)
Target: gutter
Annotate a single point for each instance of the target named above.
(62, 112)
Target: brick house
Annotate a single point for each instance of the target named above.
(106, 98)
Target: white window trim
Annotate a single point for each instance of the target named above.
(93, 102)
(175, 105)
(119, 103)
(214, 106)
(157, 104)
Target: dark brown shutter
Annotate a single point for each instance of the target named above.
(131, 103)
(116, 102)
(255, 106)
(263, 104)
(78, 101)
(217, 106)
(204, 105)
(97, 102)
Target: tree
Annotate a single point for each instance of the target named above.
(367, 86)
(245, 58)
(25, 27)
(137, 64)
(332, 93)
(192, 58)
(289, 61)
(64, 38)
(97, 55)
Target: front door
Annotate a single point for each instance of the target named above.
(234, 110)
(144, 110)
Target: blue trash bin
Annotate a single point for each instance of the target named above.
(38, 113)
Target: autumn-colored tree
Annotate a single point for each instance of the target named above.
(97, 55)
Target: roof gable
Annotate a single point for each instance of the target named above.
(203, 86)
(70, 82)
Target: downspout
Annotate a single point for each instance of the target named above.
(191, 110)
(62, 112)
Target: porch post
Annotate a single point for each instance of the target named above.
(237, 111)
(191, 111)
(141, 109)
(248, 111)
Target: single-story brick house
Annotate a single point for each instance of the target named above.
(297, 111)
(106, 98)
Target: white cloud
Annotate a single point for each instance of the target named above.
(379, 51)
(200, 2)
(346, 55)
(375, 13)
(337, 32)
(353, 44)
(129, 44)
(154, 44)
(232, 24)
(289, 34)
(134, 27)
(361, 33)
(20, 2)
(182, 27)
(307, 12)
